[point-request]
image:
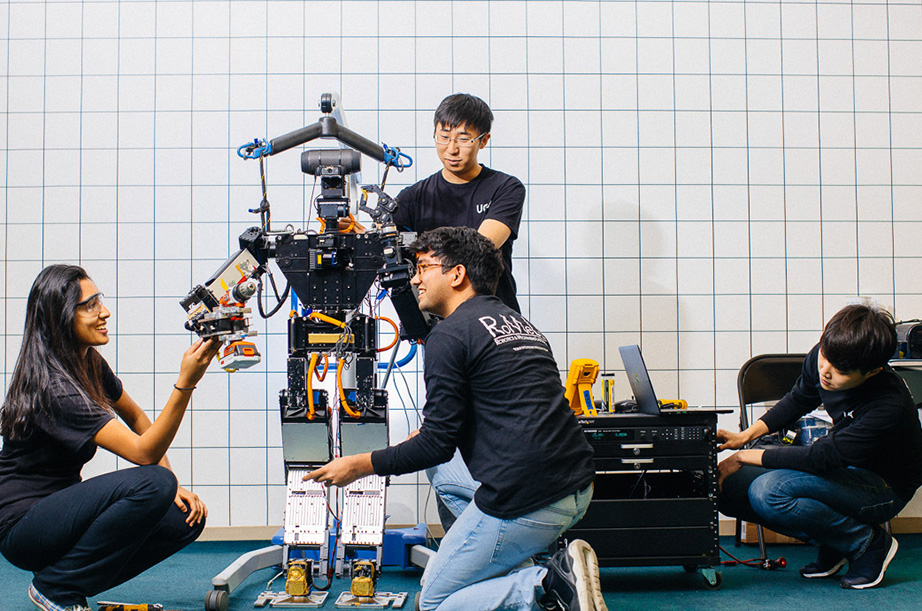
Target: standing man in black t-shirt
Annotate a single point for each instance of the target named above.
(494, 393)
(465, 193)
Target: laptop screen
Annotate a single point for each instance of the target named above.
(639, 379)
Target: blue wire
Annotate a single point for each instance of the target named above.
(404, 360)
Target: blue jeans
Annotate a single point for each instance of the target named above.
(482, 561)
(838, 509)
(453, 483)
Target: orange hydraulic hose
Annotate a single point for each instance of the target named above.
(325, 318)
(310, 386)
(342, 393)
(352, 222)
(396, 333)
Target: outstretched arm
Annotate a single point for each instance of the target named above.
(150, 445)
(343, 471)
(734, 441)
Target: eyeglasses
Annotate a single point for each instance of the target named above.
(422, 267)
(462, 141)
(91, 305)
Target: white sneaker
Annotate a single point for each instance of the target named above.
(572, 581)
(38, 599)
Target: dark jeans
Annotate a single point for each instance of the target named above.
(838, 509)
(99, 533)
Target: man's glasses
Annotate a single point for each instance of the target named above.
(91, 305)
(462, 141)
(422, 267)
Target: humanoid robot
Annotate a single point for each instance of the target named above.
(331, 274)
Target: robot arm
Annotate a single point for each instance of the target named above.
(332, 271)
(215, 308)
(327, 127)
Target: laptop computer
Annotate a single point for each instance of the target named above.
(640, 382)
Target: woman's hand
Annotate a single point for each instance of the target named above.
(189, 502)
(196, 360)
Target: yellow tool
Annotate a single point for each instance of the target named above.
(578, 389)
(674, 404)
(364, 579)
(299, 581)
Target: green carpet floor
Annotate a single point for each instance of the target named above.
(183, 581)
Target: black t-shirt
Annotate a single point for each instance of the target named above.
(435, 202)
(493, 391)
(51, 458)
(876, 427)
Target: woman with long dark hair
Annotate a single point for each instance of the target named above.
(82, 537)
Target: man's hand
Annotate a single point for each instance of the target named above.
(731, 440)
(727, 467)
(732, 464)
(343, 471)
(189, 503)
(735, 441)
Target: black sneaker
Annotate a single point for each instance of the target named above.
(572, 580)
(867, 570)
(828, 563)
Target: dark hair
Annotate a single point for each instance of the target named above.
(464, 109)
(464, 246)
(859, 337)
(50, 354)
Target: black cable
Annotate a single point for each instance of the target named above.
(259, 296)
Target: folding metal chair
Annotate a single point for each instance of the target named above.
(911, 372)
(767, 377)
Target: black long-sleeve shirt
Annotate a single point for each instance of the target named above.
(494, 391)
(875, 427)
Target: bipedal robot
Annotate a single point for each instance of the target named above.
(331, 273)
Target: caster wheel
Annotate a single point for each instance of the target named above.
(713, 583)
(216, 600)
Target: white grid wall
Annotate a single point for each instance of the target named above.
(710, 180)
